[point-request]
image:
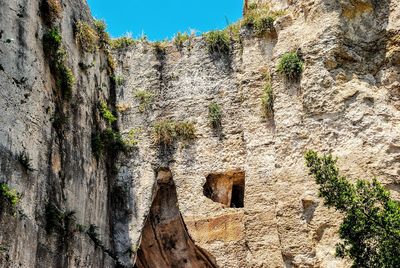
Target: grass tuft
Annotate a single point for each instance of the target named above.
(180, 39)
(215, 115)
(86, 36)
(218, 42)
(54, 50)
(101, 28)
(122, 42)
(166, 132)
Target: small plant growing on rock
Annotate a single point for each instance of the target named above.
(145, 99)
(290, 65)
(267, 101)
(52, 45)
(65, 81)
(57, 220)
(106, 113)
(118, 80)
(233, 30)
(25, 161)
(101, 28)
(160, 47)
(107, 141)
(93, 233)
(164, 132)
(215, 115)
(180, 39)
(132, 138)
(218, 42)
(123, 107)
(260, 18)
(185, 130)
(9, 195)
(122, 42)
(86, 36)
(167, 131)
(111, 64)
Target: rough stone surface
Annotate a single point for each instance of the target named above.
(347, 102)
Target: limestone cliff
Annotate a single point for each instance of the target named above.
(233, 196)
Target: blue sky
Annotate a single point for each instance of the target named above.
(160, 19)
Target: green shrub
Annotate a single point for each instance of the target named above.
(52, 43)
(24, 160)
(180, 39)
(166, 132)
(145, 99)
(106, 113)
(86, 36)
(218, 42)
(370, 228)
(290, 65)
(215, 115)
(122, 42)
(9, 195)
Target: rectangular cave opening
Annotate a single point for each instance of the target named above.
(237, 200)
(227, 188)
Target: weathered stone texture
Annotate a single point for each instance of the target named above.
(347, 102)
(341, 105)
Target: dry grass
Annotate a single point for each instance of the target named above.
(86, 36)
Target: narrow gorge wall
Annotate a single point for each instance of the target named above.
(346, 102)
(64, 172)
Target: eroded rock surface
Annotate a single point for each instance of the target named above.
(165, 241)
(346, 102)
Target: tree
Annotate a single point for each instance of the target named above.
(370, 230)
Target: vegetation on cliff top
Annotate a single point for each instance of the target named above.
(370, 230)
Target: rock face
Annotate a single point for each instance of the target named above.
(243, 196)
